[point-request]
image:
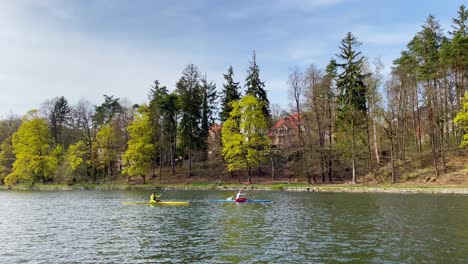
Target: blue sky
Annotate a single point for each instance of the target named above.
(89, 48)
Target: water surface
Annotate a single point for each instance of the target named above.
(94, 226)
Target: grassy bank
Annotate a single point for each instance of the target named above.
(298, 187)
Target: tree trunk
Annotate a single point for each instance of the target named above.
(432, 136)
(376, 146)
(419, 130)
(393, 160)
(172, 159)
(330, 140)
(190, 160)
(160, 165)
(272, 161)
(353, 154)
(369, 150)
(249, 176)
(144, 179)
(322, 160)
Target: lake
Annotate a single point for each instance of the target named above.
(94, 226)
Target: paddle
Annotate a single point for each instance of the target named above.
(162, 192)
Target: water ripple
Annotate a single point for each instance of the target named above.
(94, 227)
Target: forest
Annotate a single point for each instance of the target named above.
(347, 122)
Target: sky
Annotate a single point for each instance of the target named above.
(77, 48)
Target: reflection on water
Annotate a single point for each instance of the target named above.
(94, 226)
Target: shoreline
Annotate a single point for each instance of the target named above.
(452, 190)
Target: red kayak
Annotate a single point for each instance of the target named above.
(241, 200)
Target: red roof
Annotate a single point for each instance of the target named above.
(291, 121)
(216, 128)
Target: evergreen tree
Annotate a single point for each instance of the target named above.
(425, 47)
(256, 87)
(59, 115)
(106, 111)
(230, 93)
(169, 110)
(189, 92)
(208, 94)
(352, 106)
(157, 96)
(460, 24)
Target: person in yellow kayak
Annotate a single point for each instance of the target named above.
(155, 198)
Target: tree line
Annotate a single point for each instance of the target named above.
(351, 121)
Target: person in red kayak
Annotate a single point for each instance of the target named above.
(240, 199)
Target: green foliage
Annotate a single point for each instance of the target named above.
(462, 120)
(157, 96)
(107, 142)
(425, 47)
(35, 159)
(58, 115)
(107, 110)
(76, 155)
(350, 82)
(208, 94)
(460, 24)
(189, 91)
(245, 143)
(256, 87)
(138, 157)
(7, 158)
(230, 93)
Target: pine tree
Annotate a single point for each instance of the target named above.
(460, 24)
(256, 87)
(230, 94)
(425, 46)
(58, 116)
(189, 91)
(170, 108)
(352, 106)
(157, 97)
(208, 94)
(106, 111)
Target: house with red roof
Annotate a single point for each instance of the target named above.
(285, 132)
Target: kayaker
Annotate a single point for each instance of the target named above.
(155, 198)
(240, 199)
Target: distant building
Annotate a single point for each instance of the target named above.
(285, 132)
(214, 140)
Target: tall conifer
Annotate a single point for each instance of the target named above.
(255, 87)
(230, 94)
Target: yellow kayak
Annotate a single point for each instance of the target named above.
(160, 203)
